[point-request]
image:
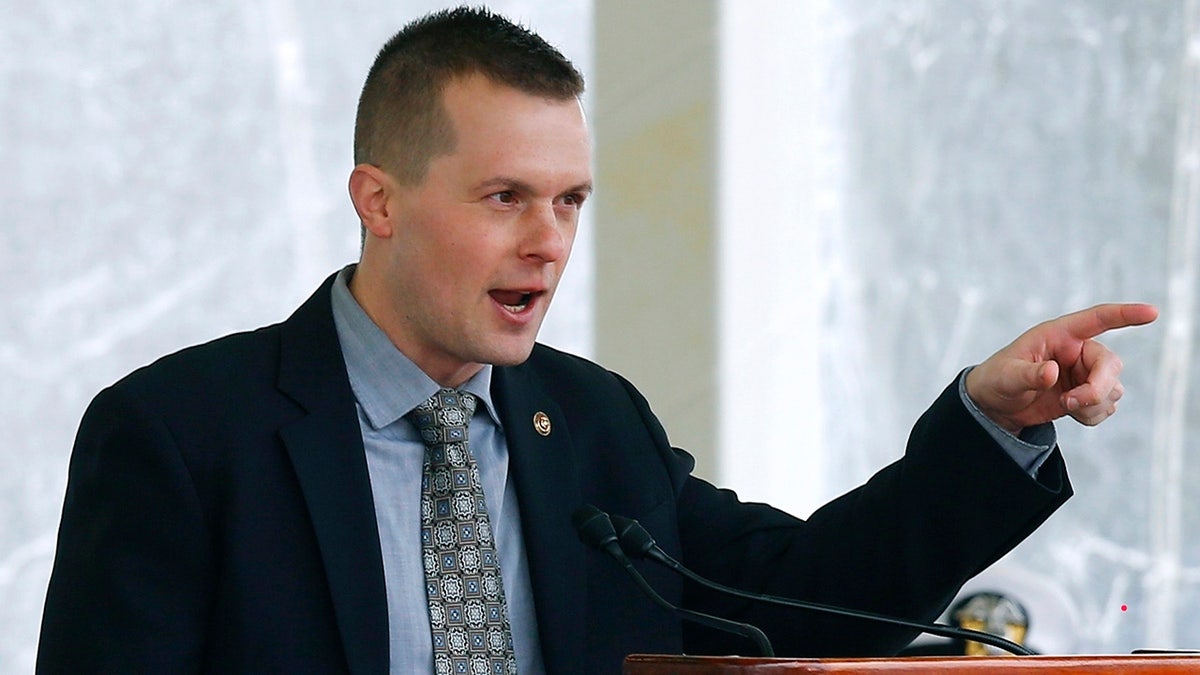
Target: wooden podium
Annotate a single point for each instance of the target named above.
(1164, 664)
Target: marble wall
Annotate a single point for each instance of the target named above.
(1005, 162)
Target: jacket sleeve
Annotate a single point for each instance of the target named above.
(902, 544)
(131, 579)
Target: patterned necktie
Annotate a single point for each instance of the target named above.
(467, 611)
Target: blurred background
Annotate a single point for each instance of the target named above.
(809, 214)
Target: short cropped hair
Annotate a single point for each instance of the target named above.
(402, 122)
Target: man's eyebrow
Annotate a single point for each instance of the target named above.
(585, 188)
(506, 183)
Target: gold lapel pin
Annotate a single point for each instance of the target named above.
(541, 423)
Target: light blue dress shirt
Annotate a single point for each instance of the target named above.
(387, 385)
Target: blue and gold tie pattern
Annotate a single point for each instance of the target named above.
(467, 610)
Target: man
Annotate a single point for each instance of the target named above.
(260, 503)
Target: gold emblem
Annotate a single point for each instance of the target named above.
(541, 423)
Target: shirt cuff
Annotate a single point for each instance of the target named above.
(1029, 450)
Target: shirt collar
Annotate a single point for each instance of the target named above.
(387, 383)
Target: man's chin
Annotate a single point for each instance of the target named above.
(512, 354)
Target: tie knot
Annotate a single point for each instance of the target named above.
(444, 417)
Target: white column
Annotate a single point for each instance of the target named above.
(778, 173)
(656, 300)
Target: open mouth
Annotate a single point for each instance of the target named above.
(513, 301)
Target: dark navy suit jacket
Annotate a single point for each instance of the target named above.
(219, 518)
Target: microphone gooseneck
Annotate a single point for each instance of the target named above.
(595, 529)
(635, 541)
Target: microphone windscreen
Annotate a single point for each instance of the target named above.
(593, 526)
(635, 540)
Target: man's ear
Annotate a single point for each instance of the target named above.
(371, 190)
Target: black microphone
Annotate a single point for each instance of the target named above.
(596, 530)
(637, 542)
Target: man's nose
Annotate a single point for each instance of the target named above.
(546, 237)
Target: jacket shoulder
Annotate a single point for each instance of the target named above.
(247, 360)
(216, 363)
(549, 359)
(571, 378)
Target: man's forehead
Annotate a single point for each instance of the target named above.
(485, 109)
(464, 88)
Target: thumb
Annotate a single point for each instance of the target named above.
(1004, 381)
(1035, 375)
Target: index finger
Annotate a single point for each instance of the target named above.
(1089, 323)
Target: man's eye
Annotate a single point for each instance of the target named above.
(573, 199)
(506, 197)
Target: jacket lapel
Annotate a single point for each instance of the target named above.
(544, 469)
(326, 450)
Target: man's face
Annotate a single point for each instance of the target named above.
(477, 249)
